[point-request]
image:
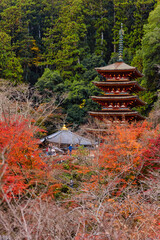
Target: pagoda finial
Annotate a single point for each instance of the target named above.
(64, 127)
(120, 54)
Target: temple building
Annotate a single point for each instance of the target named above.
(119, 87)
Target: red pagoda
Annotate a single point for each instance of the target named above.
(119, 86)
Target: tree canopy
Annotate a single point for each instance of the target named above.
(151, 48)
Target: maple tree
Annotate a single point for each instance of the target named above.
(21, 164)
(127, 150)
(151, 158)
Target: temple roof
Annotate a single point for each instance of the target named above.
(65, 136)
(119, 67)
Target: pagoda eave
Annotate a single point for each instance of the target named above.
(119, 67)
(133, 84)
(119, 71)
(116, 109)
(118, 115)
(104, 99)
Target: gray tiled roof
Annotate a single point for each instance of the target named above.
(68, 137)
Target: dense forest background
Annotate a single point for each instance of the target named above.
(54, 47)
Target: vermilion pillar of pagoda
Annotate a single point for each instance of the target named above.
(119, 85)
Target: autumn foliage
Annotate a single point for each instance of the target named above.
(151, 158)
(113, 195)
(21, 165)
(127, 154)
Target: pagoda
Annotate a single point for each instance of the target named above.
(119, 87)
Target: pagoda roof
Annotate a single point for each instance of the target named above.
(126, 115)
(135, 84)
(118, 98)
(119, 67)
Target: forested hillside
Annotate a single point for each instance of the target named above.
(55, 46)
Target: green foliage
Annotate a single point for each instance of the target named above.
(98, 12)
(50, 80)
(60, 34)
(63, 41)
(15, 22)
(151, 48)
(133, 14)
(139, 16)
(66, 166)
(10, 66)
(138, 60)
(92, 60)
(148, 97)
(75, 114)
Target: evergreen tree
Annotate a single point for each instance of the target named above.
(50, 83)
(140, 15)
(63, 40)
(133, 14)
(97, 14)
(151, 49)
(10, 66)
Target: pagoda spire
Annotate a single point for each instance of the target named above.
(120, 53)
